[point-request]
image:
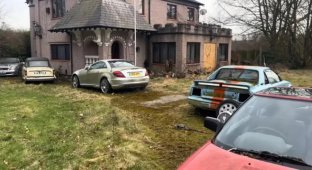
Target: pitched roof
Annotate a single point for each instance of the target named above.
(194, 1)
(101, 14)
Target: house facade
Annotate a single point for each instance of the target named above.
(169, 36)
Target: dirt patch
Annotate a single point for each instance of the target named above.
(164, 100)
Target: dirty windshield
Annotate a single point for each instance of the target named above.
(250, 76)
(8, 60)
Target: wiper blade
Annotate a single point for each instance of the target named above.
(270, 156)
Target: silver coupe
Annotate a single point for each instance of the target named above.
(111, 74)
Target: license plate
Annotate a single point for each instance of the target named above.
(40, 72)
(135, 74)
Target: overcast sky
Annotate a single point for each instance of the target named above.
(16, 12)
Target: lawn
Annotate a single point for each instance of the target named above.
(52, 126)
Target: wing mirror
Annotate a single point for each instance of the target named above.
(213, 124)
(87, 68)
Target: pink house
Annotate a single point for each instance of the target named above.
(76, 33)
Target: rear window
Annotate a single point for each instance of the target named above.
(9, 60)
(38, 64)
(243, 75)
(117, 64)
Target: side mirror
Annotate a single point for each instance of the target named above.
(212, 123)
(87, 68)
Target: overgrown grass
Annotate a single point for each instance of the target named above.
(52, 126)
(55, 127)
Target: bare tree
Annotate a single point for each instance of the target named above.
(286, 25)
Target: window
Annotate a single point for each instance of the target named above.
(271, 77)
(193, 53)
(163, 52)
(171, 11)
(58, 8)
(191, 14)
(60, 52)
(140, 6)
(223, 52)
(232, 74)
(98, 65)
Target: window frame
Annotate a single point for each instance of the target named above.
(67, 56)
(193, 47)
(99, 62)
(189, 10)
(143, 7)
(226, 52)
(172, 15)
(55, 8)
(269, 78)
(170, 47)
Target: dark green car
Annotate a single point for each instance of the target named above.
(112, 74)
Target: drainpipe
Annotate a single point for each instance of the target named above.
(71, 54)
(149, 11)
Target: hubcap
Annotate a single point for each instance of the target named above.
(75, 82)
(103, 87)
(227, 107)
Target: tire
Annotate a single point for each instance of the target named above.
(105, 86)
(229, 105)
(75, 82)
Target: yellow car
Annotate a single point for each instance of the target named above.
(38, 69)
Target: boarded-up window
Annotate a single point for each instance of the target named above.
(60, 52)
(58, 8)
(163, 52)
(193, 53)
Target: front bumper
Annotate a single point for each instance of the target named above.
(8, 73)
(129, 82)
(40, 78)
(206, 104)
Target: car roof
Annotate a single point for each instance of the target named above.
(246, 67)
(294, 93)
(114, 60)
(37, 59)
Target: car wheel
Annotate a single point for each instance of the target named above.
(75, 82)
(105, 86)
(229, 106)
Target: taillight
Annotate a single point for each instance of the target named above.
(118, 74)
(25, 72)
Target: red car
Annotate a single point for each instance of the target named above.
(271, 130)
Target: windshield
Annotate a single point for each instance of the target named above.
(38, 64)
(9, 60)
(279, 126)
(232, 74)
(117, 64)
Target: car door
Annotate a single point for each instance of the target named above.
(273, 80)
(95, 73)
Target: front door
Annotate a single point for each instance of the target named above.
(116, 50)
(210, 62)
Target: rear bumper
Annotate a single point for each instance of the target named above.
(40, 78)
(206, 104)
(129, 83)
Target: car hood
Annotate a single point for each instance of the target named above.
(213, 157)
(2, 65)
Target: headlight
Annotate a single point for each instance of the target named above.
(13, 67)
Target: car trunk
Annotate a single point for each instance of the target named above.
(131, 72)
(40, 71)
(219, 90)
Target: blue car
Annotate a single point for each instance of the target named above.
(229, 86)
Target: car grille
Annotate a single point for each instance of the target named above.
(3, 68)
